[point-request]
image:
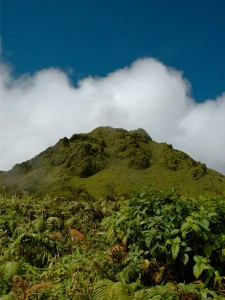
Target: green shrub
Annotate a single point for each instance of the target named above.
(168, 236)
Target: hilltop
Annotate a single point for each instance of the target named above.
(110, 160)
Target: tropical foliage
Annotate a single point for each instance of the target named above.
(150, 245)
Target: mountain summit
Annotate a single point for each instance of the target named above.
(115, 159)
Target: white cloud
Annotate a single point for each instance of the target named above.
(37, 110)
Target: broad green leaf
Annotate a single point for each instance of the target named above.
(175, 250)
(204, 223)
(167, 232)
(120, 234)
(223, 252)
(185, 258)
(189, 219)
(216, 245)
(198, 258)
(208, 267)
(174, 231)
(169, 242)
(163, 249)
(198, 269)
(212, 214)
(205, 235)
(208, 250)
(176, 240)
(148, 241)
(136, 249)
(196, 228)
(145, 264)
(184, 244)
(185, 226)
(187, 249)
(124, 240)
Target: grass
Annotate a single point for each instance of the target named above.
(115, 158)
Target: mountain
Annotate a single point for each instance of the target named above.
(111, 161)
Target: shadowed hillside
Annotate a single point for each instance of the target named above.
(107, 161)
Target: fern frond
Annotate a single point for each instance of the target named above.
(9, 269)
(39, 286)
(58, 236)
(18, 231)
(20, 286)
(76, 235)
(108, 290)
(139, 295)
(116, 253)
(19, 239)
(71, 221)
(38, 248)
(22, 289)
(167, 291)
(38, 225)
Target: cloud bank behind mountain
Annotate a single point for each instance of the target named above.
(36, 110)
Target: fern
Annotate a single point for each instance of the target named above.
(22, 289)
(76, 235)
(39, 286)
(108, 290)
(38, 249)
(54, 222)
(71, 221)
(19, 286)
(9, 269)
(19, 231)
(58, 236)
(168, 291)
(38, 225)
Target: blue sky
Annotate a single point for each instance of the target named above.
(69, 66)
(96, 37)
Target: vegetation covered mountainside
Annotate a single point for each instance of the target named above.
(115, 159)
(96, 217)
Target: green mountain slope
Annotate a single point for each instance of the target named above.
(107, 161)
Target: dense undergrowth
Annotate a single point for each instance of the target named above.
(150, 245)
